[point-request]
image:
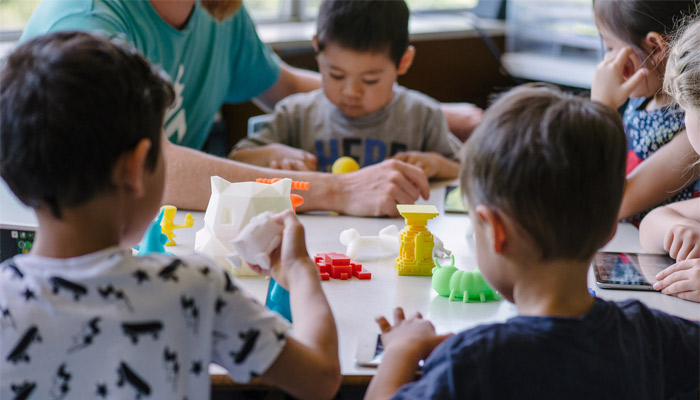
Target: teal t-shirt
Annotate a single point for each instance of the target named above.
(209, 62)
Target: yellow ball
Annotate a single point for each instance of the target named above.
(343, 165)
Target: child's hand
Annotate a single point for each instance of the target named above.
(682, 241)
(290, 158)
(681, 279)
(610, 86)
(414, 335)
(428, 162)
(291, 254)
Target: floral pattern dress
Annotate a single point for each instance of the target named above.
(648, 131)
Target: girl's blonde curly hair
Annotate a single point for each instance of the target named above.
(682, 78)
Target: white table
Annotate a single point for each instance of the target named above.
(355, 303)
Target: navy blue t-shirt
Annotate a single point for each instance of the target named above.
(616, 351)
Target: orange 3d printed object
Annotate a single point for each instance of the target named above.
(296, 185)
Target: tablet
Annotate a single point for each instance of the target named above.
(370, 350)
(15, 240)
(454, 202)
(630, 271)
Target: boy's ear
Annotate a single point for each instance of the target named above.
(131, 169)
(406, 60)
(314, 42)
(495, 227)
(656, 46)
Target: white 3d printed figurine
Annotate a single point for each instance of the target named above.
(230, 208)
(256, 241)
(387, 239)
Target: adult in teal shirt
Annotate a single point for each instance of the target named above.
(213, 55)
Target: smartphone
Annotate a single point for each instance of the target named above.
(454, 202)
(629, 271)
(370, 350)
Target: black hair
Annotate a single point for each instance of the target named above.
(552, 162)
(364, 25)
(632, 20)
(72, 103)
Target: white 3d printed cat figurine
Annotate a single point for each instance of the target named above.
(231, 207)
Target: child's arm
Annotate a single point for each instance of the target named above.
(681, 279)
(308, 366)
(276, 155)
(462, 118)
(405, 344)
(674, 228)
(662, 175)
(434, 165)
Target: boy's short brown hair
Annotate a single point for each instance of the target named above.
(552, 162)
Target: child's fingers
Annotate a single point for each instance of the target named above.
(679, 273)
(621, 57)
(398, 315)
(674, 247)
(668, 239)
(258, 270)
(609, 56)
(694, 252)
(384, 325)
(287, 164)
(299, 165)
(634, 80)
(285, 217)
(310, 161)
(679, 266)
(684, 251)
(679, 286)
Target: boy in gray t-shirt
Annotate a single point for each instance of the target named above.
(362, 47)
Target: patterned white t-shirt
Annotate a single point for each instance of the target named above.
(112, 325)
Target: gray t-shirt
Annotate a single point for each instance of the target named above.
(412, 121)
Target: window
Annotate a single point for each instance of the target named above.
(430, 5)
(267, 10)
(14, 14)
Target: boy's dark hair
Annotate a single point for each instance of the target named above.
(71, 103)
(364, 25)
(632, 20)
(552, 162)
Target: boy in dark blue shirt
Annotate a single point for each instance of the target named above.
(544, 176)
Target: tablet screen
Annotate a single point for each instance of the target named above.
(15, 241)
(454, 203)
(628, 270)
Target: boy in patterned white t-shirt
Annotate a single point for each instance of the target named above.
(81, 317)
